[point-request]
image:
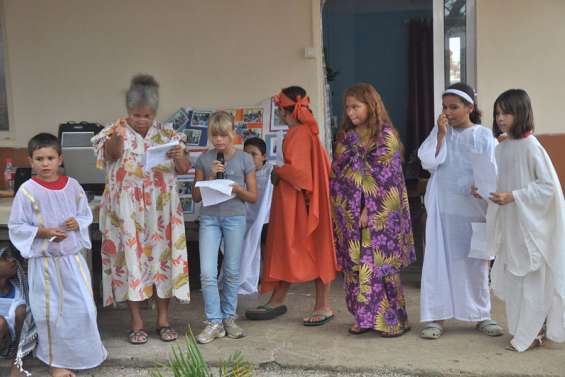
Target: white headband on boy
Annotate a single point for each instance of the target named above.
(461, 94)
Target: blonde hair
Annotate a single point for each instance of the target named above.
(221, 123)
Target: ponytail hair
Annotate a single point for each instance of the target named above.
(475, 116)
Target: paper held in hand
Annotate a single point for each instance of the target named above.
(215, 191)
(157, 155)
(484, 175)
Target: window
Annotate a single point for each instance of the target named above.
(455, 31)
(454, 45)
(459, 41)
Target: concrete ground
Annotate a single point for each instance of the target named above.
(284, 347)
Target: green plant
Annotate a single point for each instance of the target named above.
(187, 361)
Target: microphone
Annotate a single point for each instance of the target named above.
(220, 158)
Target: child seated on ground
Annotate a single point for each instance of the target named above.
(14, 313)
(257, 216)
(49, 225)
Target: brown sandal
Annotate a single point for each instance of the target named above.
(167, 333)
(138, 337)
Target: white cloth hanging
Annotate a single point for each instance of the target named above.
(257, 216)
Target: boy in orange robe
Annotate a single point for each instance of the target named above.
(300, 246)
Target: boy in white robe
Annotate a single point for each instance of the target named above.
(454, 284)
(527, 229)
(49, 226)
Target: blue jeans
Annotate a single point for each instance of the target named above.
(218, 306)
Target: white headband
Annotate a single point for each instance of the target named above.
(461, 94)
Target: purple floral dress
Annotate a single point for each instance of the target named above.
(372, 258)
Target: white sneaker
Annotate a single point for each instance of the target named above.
(232, 329)
(211, 332)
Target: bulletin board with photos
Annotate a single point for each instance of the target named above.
(253, 121)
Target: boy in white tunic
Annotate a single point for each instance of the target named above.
(49, 225)
(455, 285)
(527, 229)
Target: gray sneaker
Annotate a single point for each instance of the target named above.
(211, 332)
(233, 330)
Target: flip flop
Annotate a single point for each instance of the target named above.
(138, 337)
(265, 312)
(324, 318)
(431, 330)
(490, 327)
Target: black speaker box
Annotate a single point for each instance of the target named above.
(22, 175)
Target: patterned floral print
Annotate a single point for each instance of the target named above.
(373, 257)
(141, 220)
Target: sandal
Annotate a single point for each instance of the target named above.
(138, 337)
(167, 333)
(356, 330)
(539, 341)
(490, 327)
(431, 330)
(265, 312)
(323, 318)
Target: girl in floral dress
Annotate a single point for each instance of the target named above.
(373, 232)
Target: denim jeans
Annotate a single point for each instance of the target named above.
(220, 305)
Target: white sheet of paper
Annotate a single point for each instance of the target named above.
(215, 191)
(479, 243)
(484, 175)
(157, 155)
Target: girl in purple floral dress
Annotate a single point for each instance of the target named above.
(373, 232)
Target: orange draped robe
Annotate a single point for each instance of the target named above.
(300, 244)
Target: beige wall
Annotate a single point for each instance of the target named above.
(520, 44)
(73, 59)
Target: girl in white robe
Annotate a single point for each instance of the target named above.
(527, 229)
(41, 228)
(455, 285)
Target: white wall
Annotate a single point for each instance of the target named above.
(520, 44)
(73, 59)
